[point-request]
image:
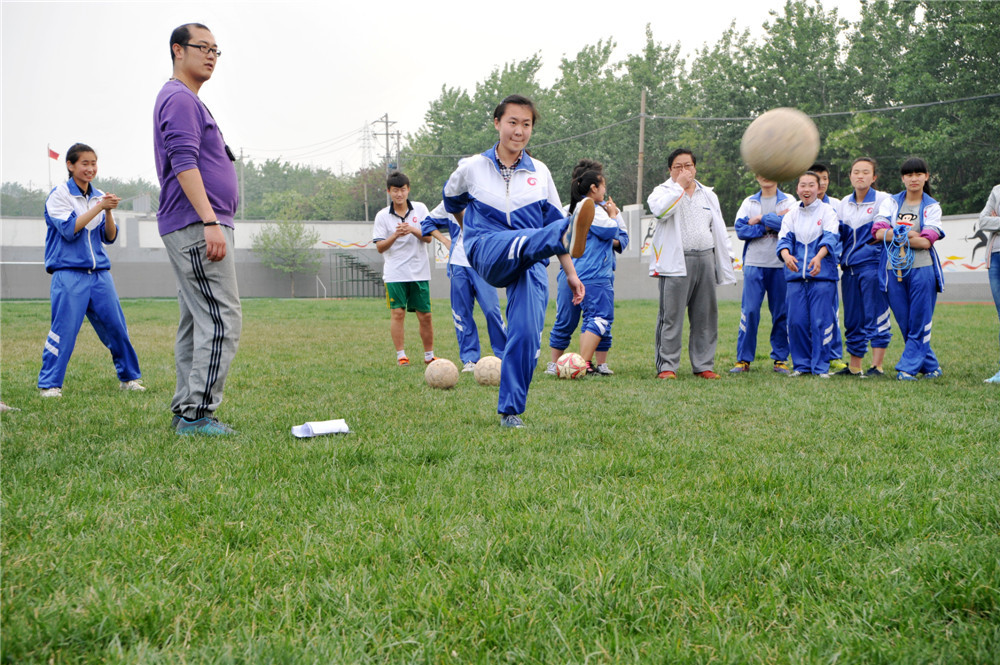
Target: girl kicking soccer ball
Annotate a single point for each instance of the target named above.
(596, 270)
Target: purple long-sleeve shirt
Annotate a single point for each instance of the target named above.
(186, 136)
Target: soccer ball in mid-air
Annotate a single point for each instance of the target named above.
(781, 144)
(571, 366)
(487, 371)
(442, 374)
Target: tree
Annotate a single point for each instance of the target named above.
(288, 247)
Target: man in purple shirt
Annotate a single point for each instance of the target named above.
(198, 198)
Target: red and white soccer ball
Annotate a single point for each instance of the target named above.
(442, 374)
(487, 371)
(571, 366)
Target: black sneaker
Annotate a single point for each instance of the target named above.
(847, 372)
(874, 372)
(591, 369)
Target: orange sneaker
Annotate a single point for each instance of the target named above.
(428, 362)
(403, 362)
(708, 374)
(667, 375)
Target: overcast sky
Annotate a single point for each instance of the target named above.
(297, 80)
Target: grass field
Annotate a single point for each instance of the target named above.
(757, 519)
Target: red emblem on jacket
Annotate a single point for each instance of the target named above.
(532, 181)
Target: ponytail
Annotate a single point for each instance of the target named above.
(580, 187)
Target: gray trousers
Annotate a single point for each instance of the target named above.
(696, 293)
(210, 323)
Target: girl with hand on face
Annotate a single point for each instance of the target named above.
(80, 223)
(908, 224)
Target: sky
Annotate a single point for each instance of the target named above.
(298, 81)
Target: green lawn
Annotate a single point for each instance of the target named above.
(757, 519)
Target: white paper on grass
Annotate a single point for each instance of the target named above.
(320, 427)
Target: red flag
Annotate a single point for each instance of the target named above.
(53, 154)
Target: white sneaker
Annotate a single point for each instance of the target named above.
(132, 385)
(604, 370)
(550, 369)
(51, 392)
(469, 367)
(824, 375)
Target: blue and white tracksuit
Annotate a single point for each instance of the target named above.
(81, 286)
(467, 287)
(913, 299)
(510, 229)
(811, 319)
(596, 269)
(758, 281)
(866, 306)
(835, 349)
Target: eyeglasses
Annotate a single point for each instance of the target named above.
(205, 49)
(680, 167)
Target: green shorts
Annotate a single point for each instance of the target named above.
(413, 296)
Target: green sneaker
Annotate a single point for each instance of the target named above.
(207, 426)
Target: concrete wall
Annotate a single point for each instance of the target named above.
(141, 269)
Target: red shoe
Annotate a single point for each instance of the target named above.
(667, 375)
(428, 362)
(708, 374)
(403, 362)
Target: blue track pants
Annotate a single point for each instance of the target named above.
(512, 259)
(74, 295)
(866, 310)
(758, 282)
(467, 287)
(811, 323)
(912, 302)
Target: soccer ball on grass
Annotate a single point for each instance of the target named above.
(441, 373)
(487, 371)
(571, 366)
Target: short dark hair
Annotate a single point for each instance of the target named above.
(677, 153)
(819, 168)
(812, 173)
(182, 35)
(916, 165)
(870, 160)
(74, 152)
(519, 100)
(397, 179)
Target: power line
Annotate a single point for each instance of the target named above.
(837, 113)
(734, 119)
(309, 146)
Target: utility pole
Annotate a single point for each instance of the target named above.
(364, 179)
(399, 157)
(243, 191)
(642, 141)
(388, 155)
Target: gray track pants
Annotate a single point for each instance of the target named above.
(696, 293)
(211, 319)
